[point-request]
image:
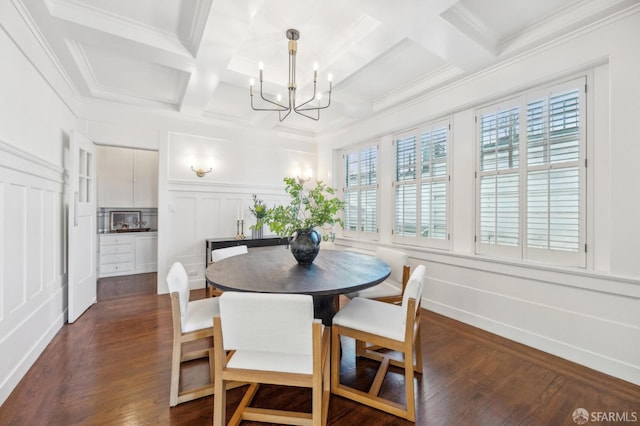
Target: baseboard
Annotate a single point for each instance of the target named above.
(26, 362)
(590, 359)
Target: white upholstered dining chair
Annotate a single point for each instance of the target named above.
(391, 289)
(388, 327)
(218, 254)
(191, 321)
(272, 339)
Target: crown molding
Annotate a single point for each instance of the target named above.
(116, 25)
(51, 57)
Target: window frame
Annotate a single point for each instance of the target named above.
(360, 233)
(523, 251)
(419, 181)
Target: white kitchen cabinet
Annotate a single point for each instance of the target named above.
(117, 255)
(145, 178)
(127, 177)
(146, 252)
(127, 253)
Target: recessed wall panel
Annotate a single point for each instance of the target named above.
(14, 245)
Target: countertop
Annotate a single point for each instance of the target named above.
(127, 231)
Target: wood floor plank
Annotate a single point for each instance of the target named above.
(112, 367)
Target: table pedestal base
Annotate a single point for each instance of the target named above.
(325, 307)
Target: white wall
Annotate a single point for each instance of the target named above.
(590, 316)
(192, 209)
(200, 208)
(34, 125)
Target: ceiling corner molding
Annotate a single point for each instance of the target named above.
(191, 31)
(116, 25)
(82, 62)
(298, 135)
(467, 23)
(114, 94)
(227, 120)
(573, 17)
(438, 77)
(50, 55)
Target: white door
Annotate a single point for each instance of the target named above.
(82, 225)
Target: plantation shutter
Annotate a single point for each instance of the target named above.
(531, 177)
(499, 176)
(360, 191)
(433, 188)
(351, 192)
(368, 189)
(406, 187)
(553, 173)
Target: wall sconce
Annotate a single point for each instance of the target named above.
(200, 171)
(303, 178)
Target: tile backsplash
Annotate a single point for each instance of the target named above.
(148, 218)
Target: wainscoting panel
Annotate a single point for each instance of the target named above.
(33, 299)
(198, 212)
(573, 323)
(587, 318)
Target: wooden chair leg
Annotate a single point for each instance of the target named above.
(418, 351)
(175, 373)
(361, 347)
(409, 386)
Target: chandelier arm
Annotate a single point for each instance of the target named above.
(280, 107)
(267, 109)
(308, 116)
(305, 103)
(315, 108)
(285, 116)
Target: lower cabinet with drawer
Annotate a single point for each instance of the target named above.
(125, 254)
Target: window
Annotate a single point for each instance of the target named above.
(421, 186)
(361, 192)
(531, 178)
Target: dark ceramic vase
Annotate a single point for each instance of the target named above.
(305, 245)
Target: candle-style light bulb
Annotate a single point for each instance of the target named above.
(260, 67)
(279, 97)
(330, 77)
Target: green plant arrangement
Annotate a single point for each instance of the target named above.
(309, 209)
(259, 210)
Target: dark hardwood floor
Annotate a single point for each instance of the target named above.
(112, 367)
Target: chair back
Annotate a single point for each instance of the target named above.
(396, 259)
(178, 281)
(279, 323)
(219, 254)
(414, 288)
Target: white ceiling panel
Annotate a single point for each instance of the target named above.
(197, 56)
(406, 62)
(145, 80)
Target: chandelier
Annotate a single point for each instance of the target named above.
(307, 109)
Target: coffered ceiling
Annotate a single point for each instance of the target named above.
(195, 57)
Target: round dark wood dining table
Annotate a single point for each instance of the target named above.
(275, 270)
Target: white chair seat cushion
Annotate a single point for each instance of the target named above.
(386, 288)
(200, 314)
(272, 361)
(371, 316)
